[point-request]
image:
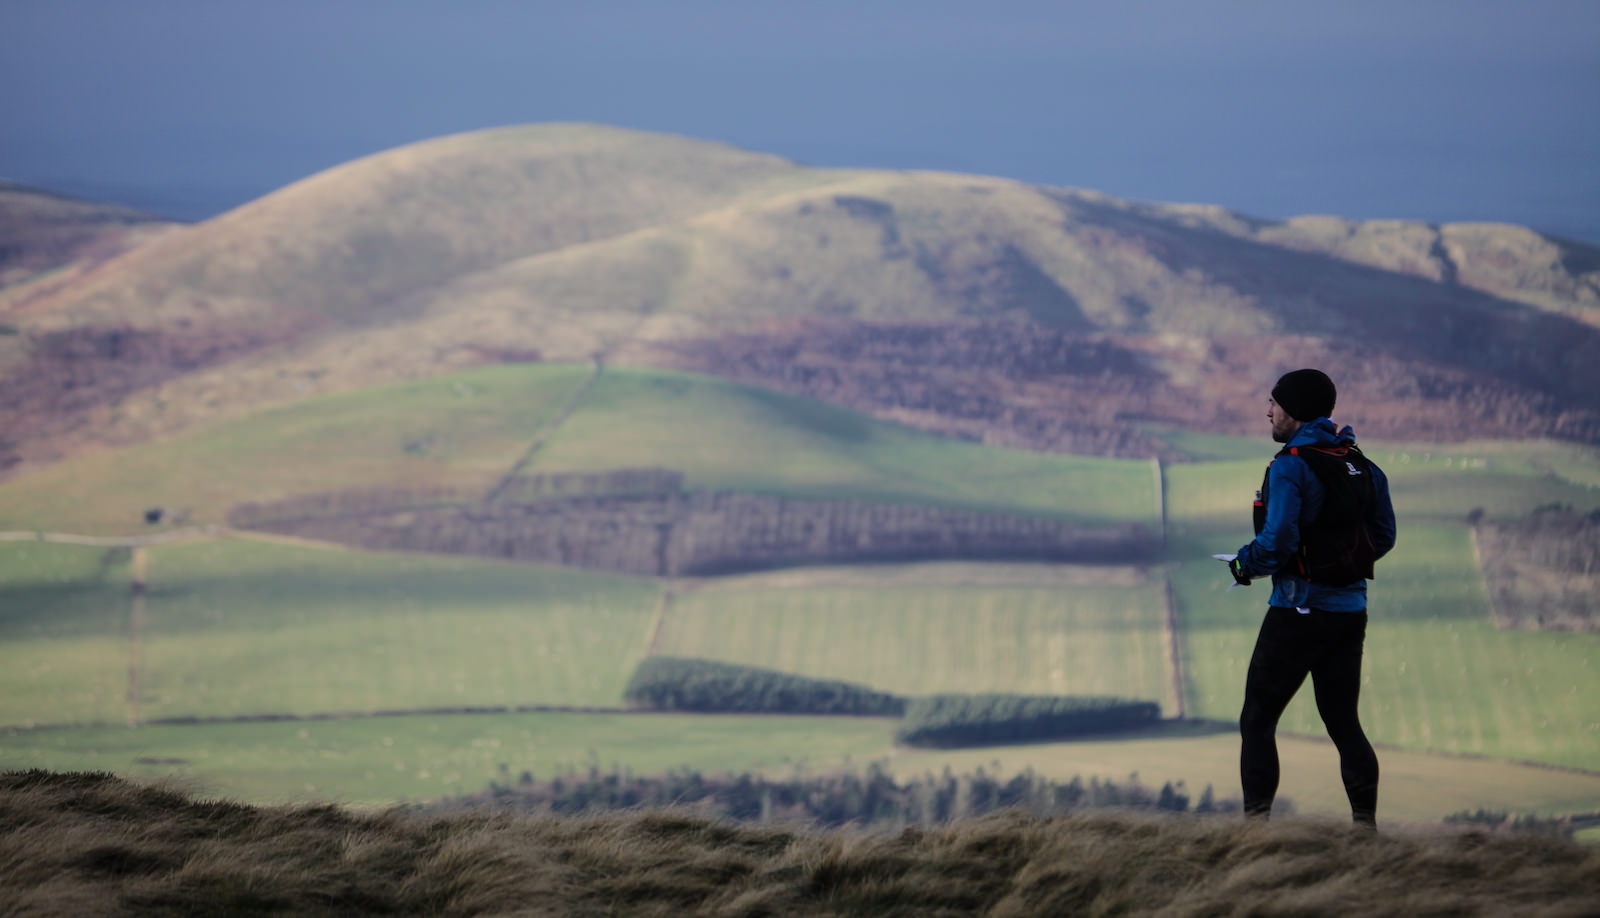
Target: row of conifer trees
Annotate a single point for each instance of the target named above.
(947, 720)
(875, 797)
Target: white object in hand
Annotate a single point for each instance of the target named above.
(1225, 559)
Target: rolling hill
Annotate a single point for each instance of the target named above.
(47, 239)
(486, 315)
(1046, 318)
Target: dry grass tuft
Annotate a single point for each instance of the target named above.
(95, 844)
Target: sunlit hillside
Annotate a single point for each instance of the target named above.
(577, 242)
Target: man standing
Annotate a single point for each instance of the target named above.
(1322, 517)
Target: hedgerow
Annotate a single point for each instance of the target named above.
(681, 684)
(999, 719)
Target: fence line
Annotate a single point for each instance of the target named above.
(110, 541)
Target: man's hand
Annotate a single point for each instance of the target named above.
(1239, 576)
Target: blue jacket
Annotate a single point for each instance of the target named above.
(1294, 498)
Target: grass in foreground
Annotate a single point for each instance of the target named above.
(94, 844)
(379, 761)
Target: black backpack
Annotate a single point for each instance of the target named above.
(1336, 548)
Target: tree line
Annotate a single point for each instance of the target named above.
(940, 721)
(683, 684)
(1543, 571)
(953, 720)
(875, 797)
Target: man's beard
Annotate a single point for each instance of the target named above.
(1282, 436)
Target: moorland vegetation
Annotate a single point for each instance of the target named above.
(93, 843)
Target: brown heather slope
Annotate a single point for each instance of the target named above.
(76, 844)
(567, 242)
(48, 234)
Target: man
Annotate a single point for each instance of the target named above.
(1322, 517)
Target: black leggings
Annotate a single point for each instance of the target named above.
(1327, 645)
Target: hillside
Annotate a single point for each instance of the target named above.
(46, 239)
(1046, 318)
(466, 431)
(90, 843)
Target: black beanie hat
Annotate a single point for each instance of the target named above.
(1305, 394)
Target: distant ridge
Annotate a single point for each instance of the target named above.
(571, 242)
(45, 233)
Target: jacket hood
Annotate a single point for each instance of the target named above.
(1322, 432)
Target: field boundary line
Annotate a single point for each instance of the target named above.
(251, 535)
(548, 428)
(663, 606)
(454, 711)
(136, 620)
(1174, 648)
(65, 538)
(1161, 498)
(1495, 618)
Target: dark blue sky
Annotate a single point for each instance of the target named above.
(1425, 109)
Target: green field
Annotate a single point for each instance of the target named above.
(240, 627)
(63, 633)
(726, 436)
(376, 761)
(467, 429)
(1069, 640)
(383, 760)
(243, 627)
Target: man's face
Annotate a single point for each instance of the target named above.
(1283, 426)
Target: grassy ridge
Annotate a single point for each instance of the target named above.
(94, 844)
(462, 430)
(727, 436)
(373, 231)
(469, 428)
(572, 239)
